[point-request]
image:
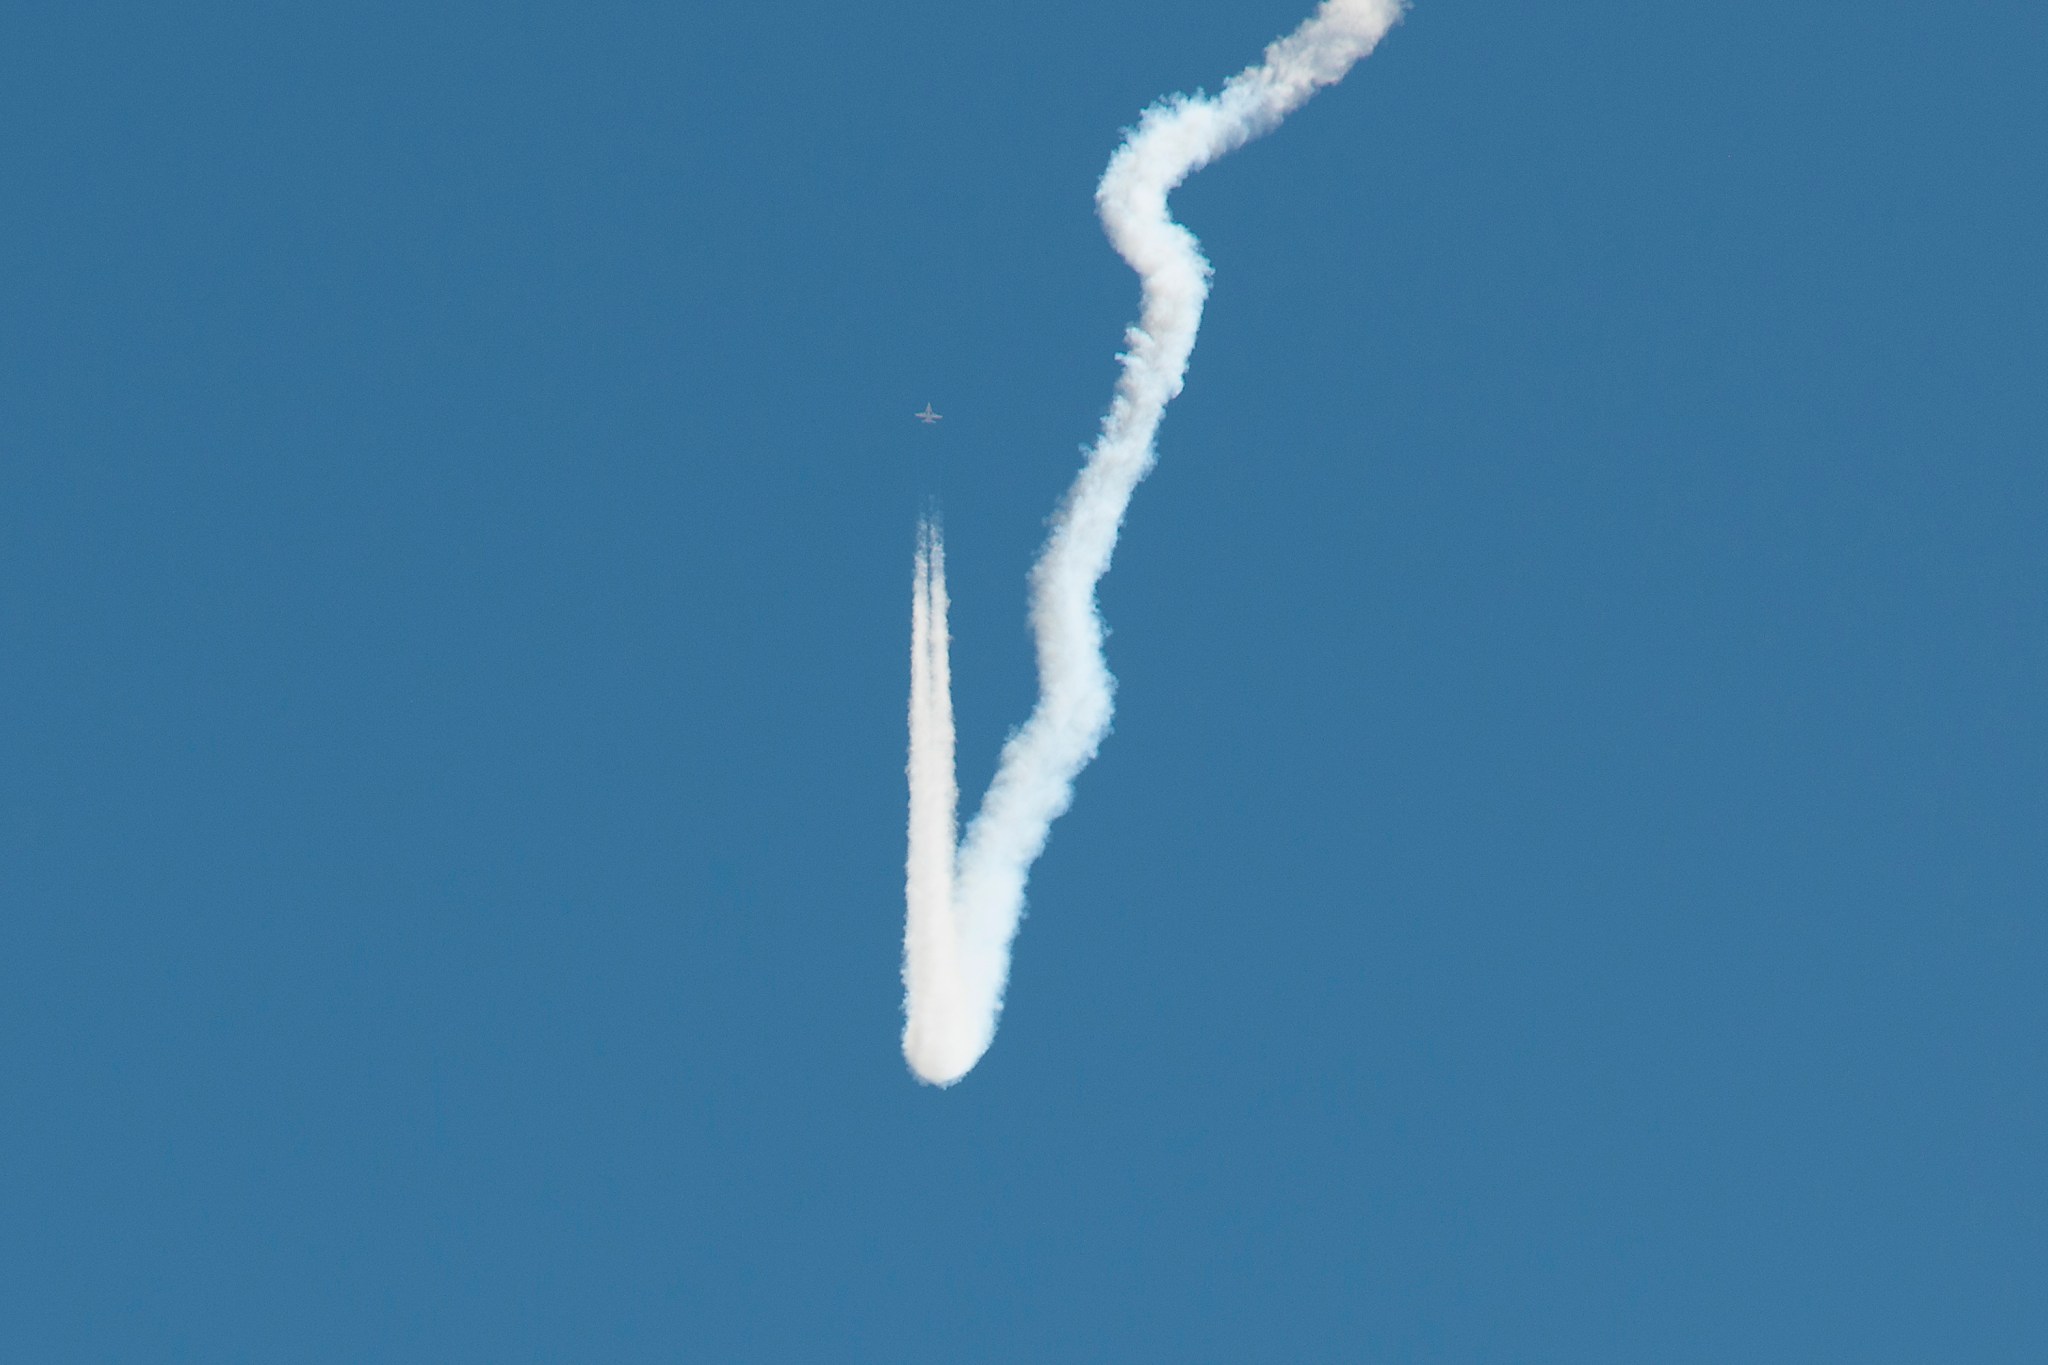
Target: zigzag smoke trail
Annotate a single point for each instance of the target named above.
(964, 903)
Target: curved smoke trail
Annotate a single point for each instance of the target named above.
(963, 905)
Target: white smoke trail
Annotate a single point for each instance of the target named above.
(943, 1032)
(962, 909)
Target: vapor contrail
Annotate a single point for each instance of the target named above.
(963, 905)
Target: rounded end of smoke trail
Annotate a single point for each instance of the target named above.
(943, 1040)
(942, 1071)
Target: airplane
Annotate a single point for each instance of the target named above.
(928, 416)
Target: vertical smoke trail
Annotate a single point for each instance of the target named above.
(941, 1029)
(963, 909)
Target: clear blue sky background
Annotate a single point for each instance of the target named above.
(1568, 881)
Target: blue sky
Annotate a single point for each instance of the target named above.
(1567, 880)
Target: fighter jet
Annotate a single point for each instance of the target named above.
(928, 416)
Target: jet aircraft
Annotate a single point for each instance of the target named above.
(928, 416)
